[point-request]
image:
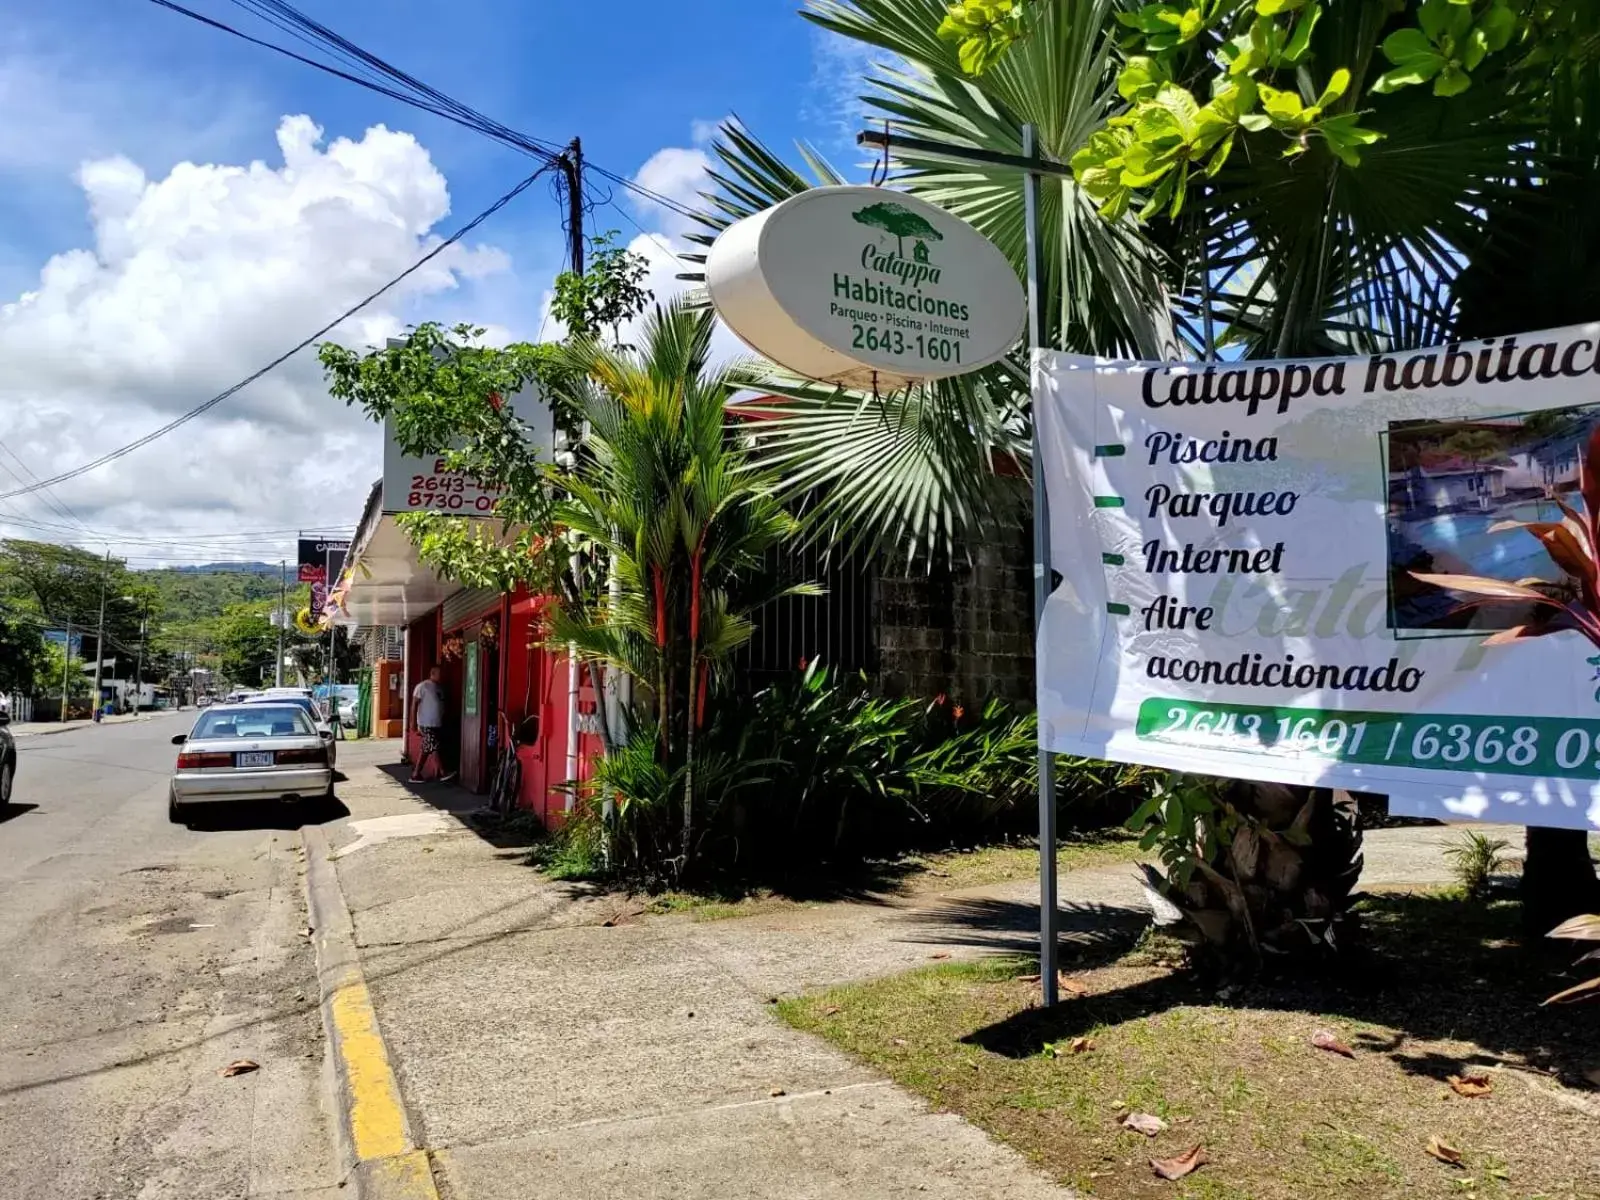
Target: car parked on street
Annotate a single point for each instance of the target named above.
(250, 752)
(8, 758)
(312, 709)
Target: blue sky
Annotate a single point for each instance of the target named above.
(177, 207)
(97, 77)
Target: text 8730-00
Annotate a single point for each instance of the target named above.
(1505, 745)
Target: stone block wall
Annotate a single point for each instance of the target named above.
(964, 629)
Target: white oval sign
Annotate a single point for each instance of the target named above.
(865, 287)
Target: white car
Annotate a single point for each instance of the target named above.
(303, 701)
(250, 752)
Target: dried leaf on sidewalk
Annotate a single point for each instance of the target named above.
(1146, 1123)
(941, 954)
(1082, 1044)
(1071, 986)
(1474, 1083)
(1444, 1151)
(831, 1010)
(239, 1066)
(307, 931)
(1027, 979)
(1324, 1039)
(777, 1092)
(1183, 1164)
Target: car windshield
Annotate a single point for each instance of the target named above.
(257, 721)
(300, 702)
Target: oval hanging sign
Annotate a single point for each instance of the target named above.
(866, 288)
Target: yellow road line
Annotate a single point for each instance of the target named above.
(377, 1120)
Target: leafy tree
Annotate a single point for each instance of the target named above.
(56, 666)
(607, 295)
(445, 394)
(22, 655)
(1317, 182)
(671, 503)
(246, 642)
(899, 221)
(61, 584)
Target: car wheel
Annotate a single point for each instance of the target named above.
(6, 771)
(174, 809)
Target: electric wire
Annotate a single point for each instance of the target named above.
(121, 451)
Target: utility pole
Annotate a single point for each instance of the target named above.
(100, 636)
(283, 615)
(138, 669)
(66, 667)
(572, 165)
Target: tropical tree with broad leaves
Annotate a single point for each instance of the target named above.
(1302, 178)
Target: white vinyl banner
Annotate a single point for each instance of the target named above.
(1376, 573)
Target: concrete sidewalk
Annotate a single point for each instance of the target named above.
(550, 1040)
(41, 728)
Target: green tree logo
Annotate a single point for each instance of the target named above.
(903, 223)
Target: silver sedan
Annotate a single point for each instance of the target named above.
(246, 752)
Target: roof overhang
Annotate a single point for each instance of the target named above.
(387, 584)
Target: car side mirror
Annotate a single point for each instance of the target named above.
(325, 734)
(179, 739)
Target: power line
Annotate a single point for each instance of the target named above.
(424, 97)
(428, 99)
(54, 501)
(284, 357)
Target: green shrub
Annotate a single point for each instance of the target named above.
(1474, 858)
(817, 770)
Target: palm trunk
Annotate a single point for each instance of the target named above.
(691, 714)
(1558, 879)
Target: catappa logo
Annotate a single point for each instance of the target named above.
(901, 223)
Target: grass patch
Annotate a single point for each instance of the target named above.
(573, 859)
(1444, 986)
(952, 870)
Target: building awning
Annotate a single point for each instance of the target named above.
(384, 583)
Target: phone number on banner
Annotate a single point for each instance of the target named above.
(1548, 746)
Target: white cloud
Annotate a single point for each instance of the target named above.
(679, 174)
(195, 280)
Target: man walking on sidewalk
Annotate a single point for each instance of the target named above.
(427, 703)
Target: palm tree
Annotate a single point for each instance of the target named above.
(662, 492)
(1296, 255)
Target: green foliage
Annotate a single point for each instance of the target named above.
(1474, 858)
(24, 660)
(982, 30)
(55, 667)
(49, 585)
(1256, 869)
(444, 394)
(816, 771)
(607, 295)
(1256, 62)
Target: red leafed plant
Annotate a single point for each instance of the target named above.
(1572, 603)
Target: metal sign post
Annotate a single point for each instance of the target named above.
(1033, 167)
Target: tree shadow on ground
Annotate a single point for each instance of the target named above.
(1433, 969)
(1087, 934)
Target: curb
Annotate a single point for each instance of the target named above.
(72, 726)
(375, 1144)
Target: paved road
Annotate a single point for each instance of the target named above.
(137, 959)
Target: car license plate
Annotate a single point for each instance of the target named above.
(253, 758)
